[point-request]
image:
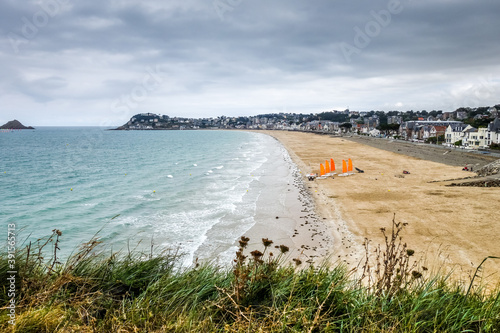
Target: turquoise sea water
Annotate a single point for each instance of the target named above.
(172, 188)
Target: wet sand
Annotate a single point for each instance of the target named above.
(285, 214)
(451, 228)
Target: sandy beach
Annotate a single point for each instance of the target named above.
(450, 228)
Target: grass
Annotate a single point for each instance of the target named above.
(96, 291)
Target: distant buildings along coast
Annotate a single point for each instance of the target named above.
(470, 128)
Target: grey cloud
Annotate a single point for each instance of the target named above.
(283, 47)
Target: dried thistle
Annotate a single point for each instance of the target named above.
(284, 248)
(416, 274)
(393, 267)
(240, 257)
(256, 254)
(244, 241)
(267, 242)
(58, 234)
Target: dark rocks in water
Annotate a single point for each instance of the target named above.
(15, 124)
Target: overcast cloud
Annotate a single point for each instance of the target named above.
(68, 62)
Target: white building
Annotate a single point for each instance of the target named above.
(331, 126)
(493, 111)
(475, 138)
(493, 134)
(455, 132)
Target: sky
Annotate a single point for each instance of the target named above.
(97, 63)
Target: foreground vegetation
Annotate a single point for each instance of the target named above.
(133, 292)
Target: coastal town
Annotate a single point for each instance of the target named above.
(468, 128)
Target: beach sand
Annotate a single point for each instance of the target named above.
(451, 228)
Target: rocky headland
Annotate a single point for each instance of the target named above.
(14, 125)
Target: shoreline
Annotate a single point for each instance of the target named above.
(451, 229)
(341, 246)
(294, 223)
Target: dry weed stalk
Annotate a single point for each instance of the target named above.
(250, 275)
(57, 233)
(393, 267)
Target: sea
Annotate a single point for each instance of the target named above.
(193, 192)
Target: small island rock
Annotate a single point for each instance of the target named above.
(15, 124)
